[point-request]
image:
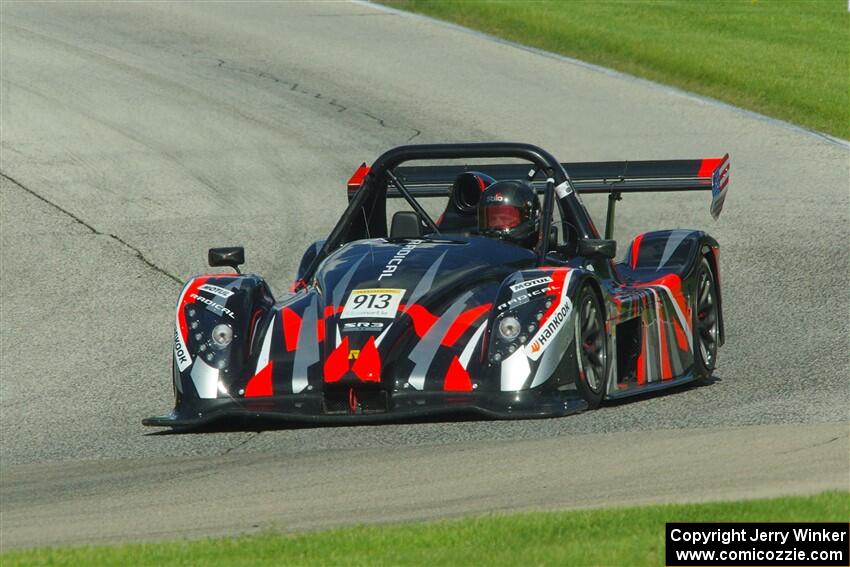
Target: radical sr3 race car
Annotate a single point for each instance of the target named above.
(421, 316)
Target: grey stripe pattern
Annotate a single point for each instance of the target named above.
(423, 353)
(673, 241)
(307, 350)
(205, 378)
(342, 285)
(652, 347)
(426, 282)
(265, 350)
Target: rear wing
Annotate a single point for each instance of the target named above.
(612, 177)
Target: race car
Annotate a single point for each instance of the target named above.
(509, 305)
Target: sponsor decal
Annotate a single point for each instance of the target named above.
(353, 354)
(216, 290)
(497, 198)
(562, 189)
(180, 354)
(544, 336)
(531, 283)
(368, 326)
(380, 303)
(398, 258)
(222, 310)
(523, 298)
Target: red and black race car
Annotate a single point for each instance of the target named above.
(417, 316)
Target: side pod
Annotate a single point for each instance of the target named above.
(215, 332)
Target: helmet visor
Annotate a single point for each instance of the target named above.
(502, 216)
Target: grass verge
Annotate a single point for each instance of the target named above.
(618, 536)
(789, 59)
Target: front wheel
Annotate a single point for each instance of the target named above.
(706, 329)
(591, 348)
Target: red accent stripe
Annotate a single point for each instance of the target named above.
(681, 339)
(422, 319)
(321, 325)
(260, 384)
(674, 283)
(336, 365)
(463, 322)
(291, 328)
(554, 291)
(707, 167)
(330, 310)
(357, 178)
(636, 250)
(367, 367)
(457, 378)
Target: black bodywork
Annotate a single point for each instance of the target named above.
(392, 318)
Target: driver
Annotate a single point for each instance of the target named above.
(510, 210)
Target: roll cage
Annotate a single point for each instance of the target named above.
(369, 188)
(365, 215)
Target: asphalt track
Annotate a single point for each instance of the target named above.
(136, 135)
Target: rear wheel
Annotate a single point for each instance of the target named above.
(706, 319)
(591, 347)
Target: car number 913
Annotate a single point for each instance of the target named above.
(372, 303)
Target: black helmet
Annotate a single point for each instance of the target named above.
(510, 210)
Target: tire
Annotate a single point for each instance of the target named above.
(706, 322)
(591, 348)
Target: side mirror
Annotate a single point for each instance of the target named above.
(233, 256)
(599, 248)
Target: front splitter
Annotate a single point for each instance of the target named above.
(401, 406)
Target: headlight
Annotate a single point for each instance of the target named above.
(509, 328)
(221, 335)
